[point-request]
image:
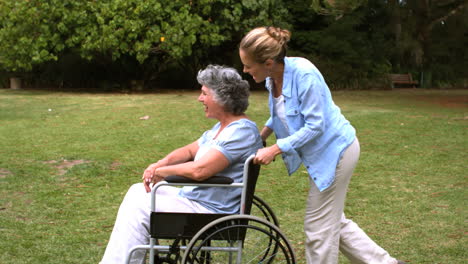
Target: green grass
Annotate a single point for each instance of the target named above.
(408, 191)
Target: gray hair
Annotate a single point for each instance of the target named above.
(229, 89)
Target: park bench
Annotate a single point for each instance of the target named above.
(402, 80)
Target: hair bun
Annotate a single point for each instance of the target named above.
(280, 35)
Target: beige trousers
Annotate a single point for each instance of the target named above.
(326, 227)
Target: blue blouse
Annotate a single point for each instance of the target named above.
(317, 132)
(236, 142)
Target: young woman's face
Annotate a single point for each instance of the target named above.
(212, 108)
(259, 71)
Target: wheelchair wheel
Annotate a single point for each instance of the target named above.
(261, 209)
(239, 239)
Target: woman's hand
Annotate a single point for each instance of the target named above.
(265, 156)
(150, 175)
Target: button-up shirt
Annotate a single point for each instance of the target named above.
(317, 132)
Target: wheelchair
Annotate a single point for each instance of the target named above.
(217, 238)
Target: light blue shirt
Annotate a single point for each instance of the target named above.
(236, 142)
(317, 132)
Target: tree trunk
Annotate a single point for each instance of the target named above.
(426, 44)
(15, 83)
(395, 25)
(427, 11)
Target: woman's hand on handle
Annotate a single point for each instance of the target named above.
(266, 155)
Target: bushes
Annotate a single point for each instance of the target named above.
(122, 39)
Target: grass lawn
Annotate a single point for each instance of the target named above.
(66, 161)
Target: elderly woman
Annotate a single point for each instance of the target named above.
(222, 150)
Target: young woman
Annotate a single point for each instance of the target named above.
(310, 130)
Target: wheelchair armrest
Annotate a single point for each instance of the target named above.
(211, 180)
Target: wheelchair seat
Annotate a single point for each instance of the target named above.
(186, 225)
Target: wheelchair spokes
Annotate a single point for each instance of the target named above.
(239, 239)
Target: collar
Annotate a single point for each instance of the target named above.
(286, 91)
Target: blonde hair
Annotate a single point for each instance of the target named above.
(265, 43)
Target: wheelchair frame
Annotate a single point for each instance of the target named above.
(214, 226)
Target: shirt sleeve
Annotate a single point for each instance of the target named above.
(269, 123)
(238, 142)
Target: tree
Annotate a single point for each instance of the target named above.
(449, 53)
(336, 7)
(411, 24)
(26, 36)
(351, 51)
(421, 16)
(148, 34)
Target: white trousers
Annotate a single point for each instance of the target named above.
(326, 227)
(131, 227)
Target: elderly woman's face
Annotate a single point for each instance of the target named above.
(258, 71)
(212, 108)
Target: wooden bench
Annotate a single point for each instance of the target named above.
(402, 80)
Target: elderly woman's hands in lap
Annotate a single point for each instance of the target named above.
(149, 175)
